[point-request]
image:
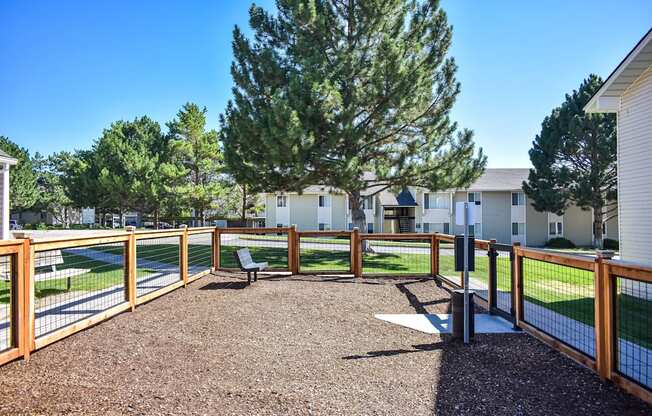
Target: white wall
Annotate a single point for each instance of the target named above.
(634, 184)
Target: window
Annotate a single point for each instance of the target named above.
(370, 227)
(324, 201)
(418, 226)
(435, 201)
(556, 228)
(281, 201)
(471, 229)
(350, 226)
(324, 226)
(368, 202)
(518, 198)
(279, 225)
(475, 197)
(518, 228)
(436, 227)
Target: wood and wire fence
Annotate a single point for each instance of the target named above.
(597, 310)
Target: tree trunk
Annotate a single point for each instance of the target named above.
(157, 220)
(598, 216)
(358, 217)
(244, 204)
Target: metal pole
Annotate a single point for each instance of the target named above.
(466, 272)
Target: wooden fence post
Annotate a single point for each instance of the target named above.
(130, 267)
(217, 240)
(183, 254)
(356, 258)
(517, 283)
(293, 247)
(492, 278)
(604, 353)
(25, 299)
(434, 255)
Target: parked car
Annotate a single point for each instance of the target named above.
(13, 225)
(164, 225)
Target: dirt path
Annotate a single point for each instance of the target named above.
(296, 346)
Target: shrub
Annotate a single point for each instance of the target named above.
(560, 242)
(610, 244)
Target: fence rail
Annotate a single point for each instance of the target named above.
(597, 311)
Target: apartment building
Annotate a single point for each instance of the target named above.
(502, 210)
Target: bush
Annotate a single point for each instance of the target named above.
(610, 244)
(560, 242)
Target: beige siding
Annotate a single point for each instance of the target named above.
(457, 197)
(303, 211)
(536, 228)
(270, 210)
(634, 185)
(612, 228)
(339, 213)
(578, 226)
(496, 216)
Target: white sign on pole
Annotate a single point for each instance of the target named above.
(459, 213)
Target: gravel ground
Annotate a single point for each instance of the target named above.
(296, 346)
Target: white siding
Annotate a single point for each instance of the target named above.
(634, 185)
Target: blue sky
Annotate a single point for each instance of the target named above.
(70, 68)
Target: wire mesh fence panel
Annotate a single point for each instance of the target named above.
(71, 284)
(504, 281)
(479, 278)
(200, 253)
(157, 263)
(324, 254)
(396, 257)
(264, 247)
(560, 301)
(447, 262)
(6, 303)
(634, 330)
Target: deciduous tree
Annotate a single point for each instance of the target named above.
(23, 192)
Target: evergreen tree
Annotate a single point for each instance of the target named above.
(197, 151)
(328, 90)
(574, 159)
(53, 198)
(23, 192)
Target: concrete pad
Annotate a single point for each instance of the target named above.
(441, 323)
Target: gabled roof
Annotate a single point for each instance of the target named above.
(500, 180)
(403, 199)
(5, 158)
(637, 61)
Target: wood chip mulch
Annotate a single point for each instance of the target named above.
(296, 346)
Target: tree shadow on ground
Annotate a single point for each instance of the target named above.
(238, 285)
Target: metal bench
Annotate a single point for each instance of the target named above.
(246, 264)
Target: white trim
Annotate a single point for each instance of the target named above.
(5, 202)
(595, 103)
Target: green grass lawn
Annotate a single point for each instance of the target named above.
(335, 240)
(198, 254)
(277, 257)
(101, 276)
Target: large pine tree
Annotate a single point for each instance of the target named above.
(327, 90)
(574, 159)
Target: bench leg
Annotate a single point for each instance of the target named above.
(255, 276)
(248, 278)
